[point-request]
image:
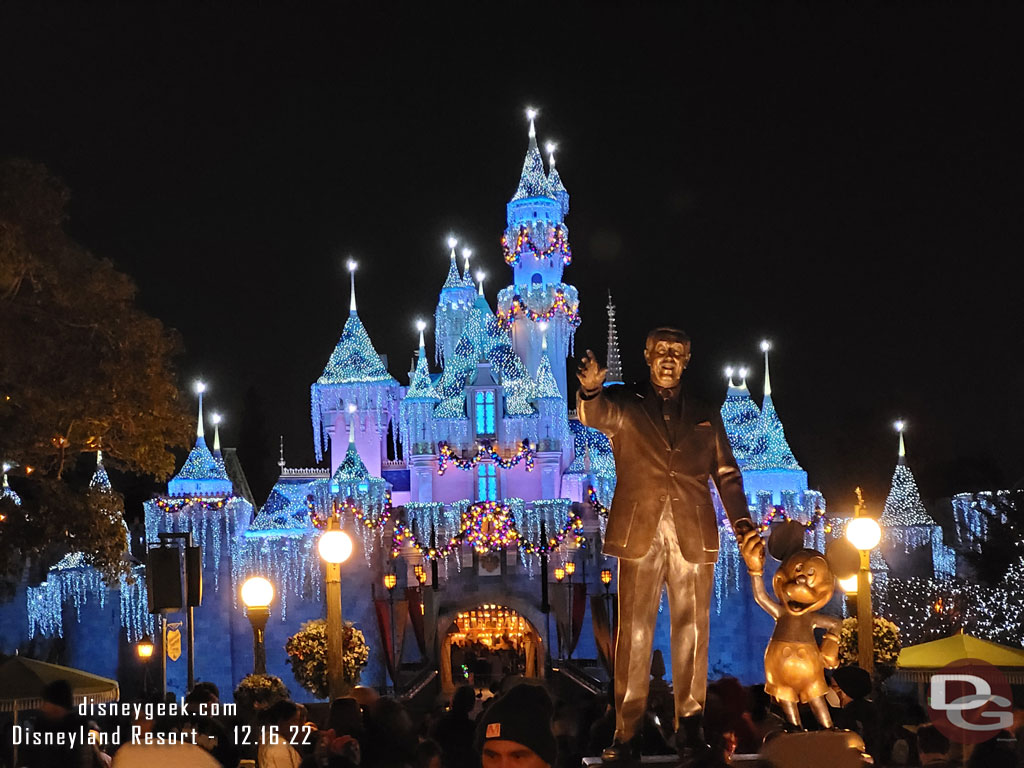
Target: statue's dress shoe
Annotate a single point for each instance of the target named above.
(623, 754)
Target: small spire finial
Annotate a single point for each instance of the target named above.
(216, 419)
(200, 388)
(352, 285)
(466, 253)
(900, 425)
(550, 147)
(421, 326)
(765, 346)
(280, 460)
(729, 371)
(531, 114)
(742, 373)
(480, 280)
(543, 336)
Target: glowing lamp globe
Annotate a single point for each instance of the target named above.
(570, 568)
(257, 592)
(864, 533)
(145, 647)
(559, 574)
(849, 586)
(390, 580)
(335, 546)
(606, 576)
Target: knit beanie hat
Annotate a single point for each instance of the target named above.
(523, 715)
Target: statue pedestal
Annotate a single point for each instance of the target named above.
(836, 749)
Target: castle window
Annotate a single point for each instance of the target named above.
(486, 482)
(485, 408)
(536, 279)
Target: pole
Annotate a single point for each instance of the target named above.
(163, 657)
(545, 605)
(568, 641)
(865, 620)
(394, 640)
(258, 618)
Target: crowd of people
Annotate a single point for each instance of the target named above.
(515, 724)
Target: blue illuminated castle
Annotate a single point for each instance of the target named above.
(463, 482)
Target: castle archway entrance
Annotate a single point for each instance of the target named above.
(485, 643)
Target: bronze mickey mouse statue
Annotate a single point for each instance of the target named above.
(794, 665)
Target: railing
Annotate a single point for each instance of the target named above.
(421, 682)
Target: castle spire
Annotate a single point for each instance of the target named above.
(613, 360)
(200, 388)
(352, 286)
(903, 505)
(280, 458)
(772, 450)
(215, 418)
(533, 182)
(902, 457)
(555, 181)
(741, 416)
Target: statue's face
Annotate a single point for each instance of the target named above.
(667, 360)
(803, 583)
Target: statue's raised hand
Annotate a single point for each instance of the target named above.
(590, 373)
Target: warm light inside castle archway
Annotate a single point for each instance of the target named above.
(490, 625)
(487, 642)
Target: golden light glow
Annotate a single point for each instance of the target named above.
(489, 625)
(257, 592)
(335, 546)
(606, 576)
(864, 533)
(849, 586)
(145, 647)
(559, 574)
(390, 580)
(570, 568)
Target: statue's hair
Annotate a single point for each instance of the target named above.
(667, 333)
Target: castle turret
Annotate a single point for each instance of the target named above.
(741, 417)
(354, 375)
(200, 475)
(906, 524)
(771, 466)
(416, 412)
(536, 246)
(453, 306)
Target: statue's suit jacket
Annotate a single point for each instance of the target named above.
(654, 466)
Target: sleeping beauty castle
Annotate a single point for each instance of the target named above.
(474, 497)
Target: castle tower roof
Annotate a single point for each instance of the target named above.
(533, 182)
(772, 451)
(454, 279)
(100, 481)
(6, 492)
(354, 359)
(546, 385)
(555, 181)
(200, 474)
(741, 417)
(903, 505)
(421, 387)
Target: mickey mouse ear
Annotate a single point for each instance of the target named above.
(843, 558)
(785, 539)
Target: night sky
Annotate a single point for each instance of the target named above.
(845, 182)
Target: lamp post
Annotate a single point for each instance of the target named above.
(570, 569)
(864, 533)
(606, 579)
(335, 548)
(559, 576)
(257, 593)
(390, 580)
(145, 648)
